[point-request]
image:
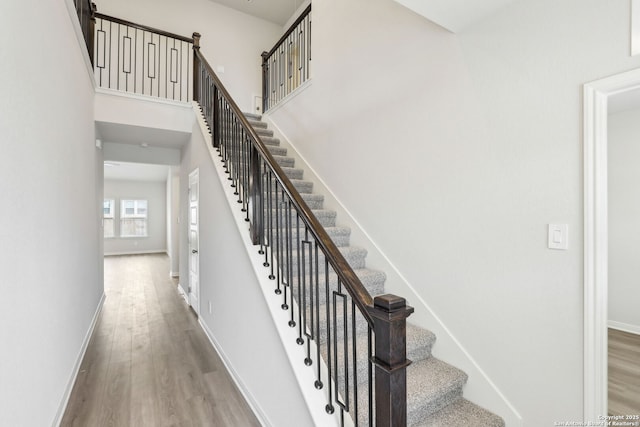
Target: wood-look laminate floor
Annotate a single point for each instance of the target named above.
(624, 373)
(148, 362)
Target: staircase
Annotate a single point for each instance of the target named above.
(434, 388)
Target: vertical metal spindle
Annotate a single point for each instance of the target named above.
(344, 405)
(301, 270)
(329, 407)
(135, 61)
(370, 373)
(308, 311)
(271, 241)
(354, 357)
(278, 240)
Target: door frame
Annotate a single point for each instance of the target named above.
(596, 239)
(194, 177)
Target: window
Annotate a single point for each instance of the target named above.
(109, 221)
(133, 218)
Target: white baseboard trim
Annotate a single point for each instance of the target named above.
(76, 367)
(174, 273)
(624, 327)
(253, 404)
(183, 294)
(155, 251)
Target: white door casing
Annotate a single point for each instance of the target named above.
(194, 241)
(596, 240)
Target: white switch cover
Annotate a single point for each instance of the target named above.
(558, 236)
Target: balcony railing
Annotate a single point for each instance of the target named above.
(143, 60)
(288, 64)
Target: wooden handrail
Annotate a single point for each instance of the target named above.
(143, 27)
(385, 314)
(350, 280)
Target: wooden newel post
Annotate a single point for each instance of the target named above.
(92, 29)
(390, 314)
(196, 68)
(265, 80)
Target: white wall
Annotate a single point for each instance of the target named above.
(239, 320)
(50, 181)
(624, 219)
(173, 220)
(472, 144)
(230, 39)
(156, 195)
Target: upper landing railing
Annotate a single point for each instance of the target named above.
(288, 64)
(143, 60)
(136, 58)
(355, 343)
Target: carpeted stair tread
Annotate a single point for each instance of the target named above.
(372, 280)
(253, 116)
(284, 161)
(419, 344)
(339, 235)
(270, 141)
(327, 218)
(302, 186)
(277, 151)
(355, 257)
(257, 124)
(293, 173)
(314, 201)
(264, 132)
(464, 414)
(431, 385)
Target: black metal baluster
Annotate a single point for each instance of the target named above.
(344, 405)
(278, 241)
(300, 260)
(118, 61)
(144, 46)
(135, 62)
(318, 383)
(329, 407)
(354, 357)
(370, 373)
(270, 209)
(308, 312)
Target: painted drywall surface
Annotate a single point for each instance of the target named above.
(173, 221)
(115, 107)
(473, 145)
(49, 226)
(137, 154)
(230, 39)
(456, 15)
(624, 217)
(156, 194)
(239, 319)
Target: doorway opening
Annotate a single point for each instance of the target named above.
(597, 98)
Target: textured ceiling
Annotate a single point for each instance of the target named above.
(276, 11)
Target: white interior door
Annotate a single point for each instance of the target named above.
(194, 242)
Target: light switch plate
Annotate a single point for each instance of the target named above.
(558, 236)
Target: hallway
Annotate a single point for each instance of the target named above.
(149, 363)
